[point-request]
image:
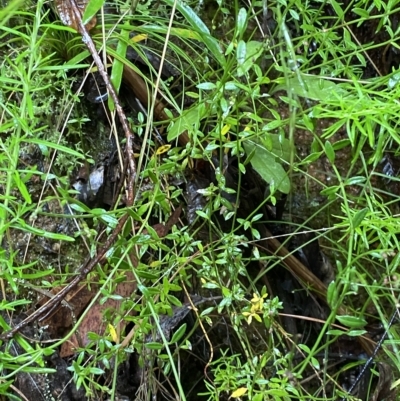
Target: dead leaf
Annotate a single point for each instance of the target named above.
(94, 321)
(69, 18)
(383, 390)
(239, 392)
(63, 318)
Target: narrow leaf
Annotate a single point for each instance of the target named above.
(330, 152)
(199, 26)
(178, 334)
(351, 321)
(56, 146)
(154, 345)
(359, 217)
(91, 10)
(118, 65)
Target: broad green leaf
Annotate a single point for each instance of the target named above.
(361, 12)
(91, 10)
(267, 163)
(351, 321)
(254, 50)
(187, 121)
(315, 363)
(330, 190)
(207, 311)
(305, 348)
(310, 87)
(394, 80)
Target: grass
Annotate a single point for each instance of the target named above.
(299, 100)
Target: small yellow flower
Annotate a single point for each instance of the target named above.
(257, 305)
(257, 302)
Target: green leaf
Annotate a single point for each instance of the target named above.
(154, 345)
(356, 333)
(351, 321)
(355, 180)
(249, 54)
(187, 121)
(266, 164)
(336, 332)
(332, 294)
(23, 226)
(8, 11)
(337, 8)
(241, 51)
(359, 217)
(199, 26)
(258, 397)
(207, 311)
(91, 9)
(312, 157)
(330, 190)
(241, 21)
(330, 153)
(206, 86)
(311, 87)
(22, 188)
(146, 274)
(178, 334)
(118, 65)
(61, 148)
(361, 12)
(315, 363)
(305, 348)
(75, 62)
(96, 371)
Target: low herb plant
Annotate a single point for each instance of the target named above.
(278, 72)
